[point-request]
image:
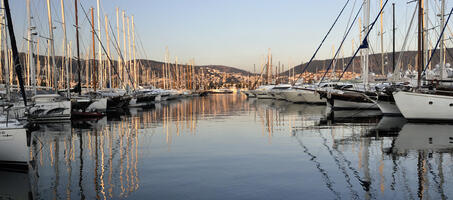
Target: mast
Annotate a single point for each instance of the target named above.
(133, 49)
(99, 72)
(365, 51)
(78, 46)
(425, 23)
(70, 64)
(94, 52)
(31, 60)
(48, 71)
(16, 59)
(382, 42)
(193, 74)
(1, 46)
(268, 66)
(38, 64)
(177, 73)
(270, 69)
(334, 63)
(65, 63)
(130, 52)
(5, 54)
(163, 71)
(420, 43)
(125, 50)
(393, 45)
(442, 44)
(87, 68)
(29, 43)
(108, 50)
(353, 62)
(32, 66)
(118, 44)
(52, 48)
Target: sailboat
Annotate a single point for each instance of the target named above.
(84, 106)
(303, 94)
(397, 80)
(431, 103)
(48, 107)
(355, 96)
(14, 140)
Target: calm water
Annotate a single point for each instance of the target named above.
(230, 147)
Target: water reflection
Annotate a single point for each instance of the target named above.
(230, 147)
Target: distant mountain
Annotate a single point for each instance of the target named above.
(408, 60)
(157, 67)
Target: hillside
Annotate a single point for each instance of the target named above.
(408, 60)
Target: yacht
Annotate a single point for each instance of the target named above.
(142, 98)
(262, 92)
(49, 107)
(349, 97)
(276, 92)
(427, 106)
(86, 107)
(14, 145)
(303, 94)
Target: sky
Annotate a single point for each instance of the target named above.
(237, 33)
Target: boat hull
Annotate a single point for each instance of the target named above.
(14, 151)
(340, 100)
(303, 96)
(263, 95)
(50, 111)
(419, 106)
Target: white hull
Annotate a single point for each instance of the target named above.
(13, 146)
(276, 94)
(263, 95)
(419, 106)
(99, 105)
(303, 96)
(51, 111)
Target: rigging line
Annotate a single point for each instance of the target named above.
(437, 43)
(365, 40)
(329, 183)
(141, 42)
(350, 16)
(340, 166)
(322, 42)
(97, 36)
(118, 50)
(341, 45)
(401, 53)
(435, 178)
(116, 43)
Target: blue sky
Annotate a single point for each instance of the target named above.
(228, 32)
